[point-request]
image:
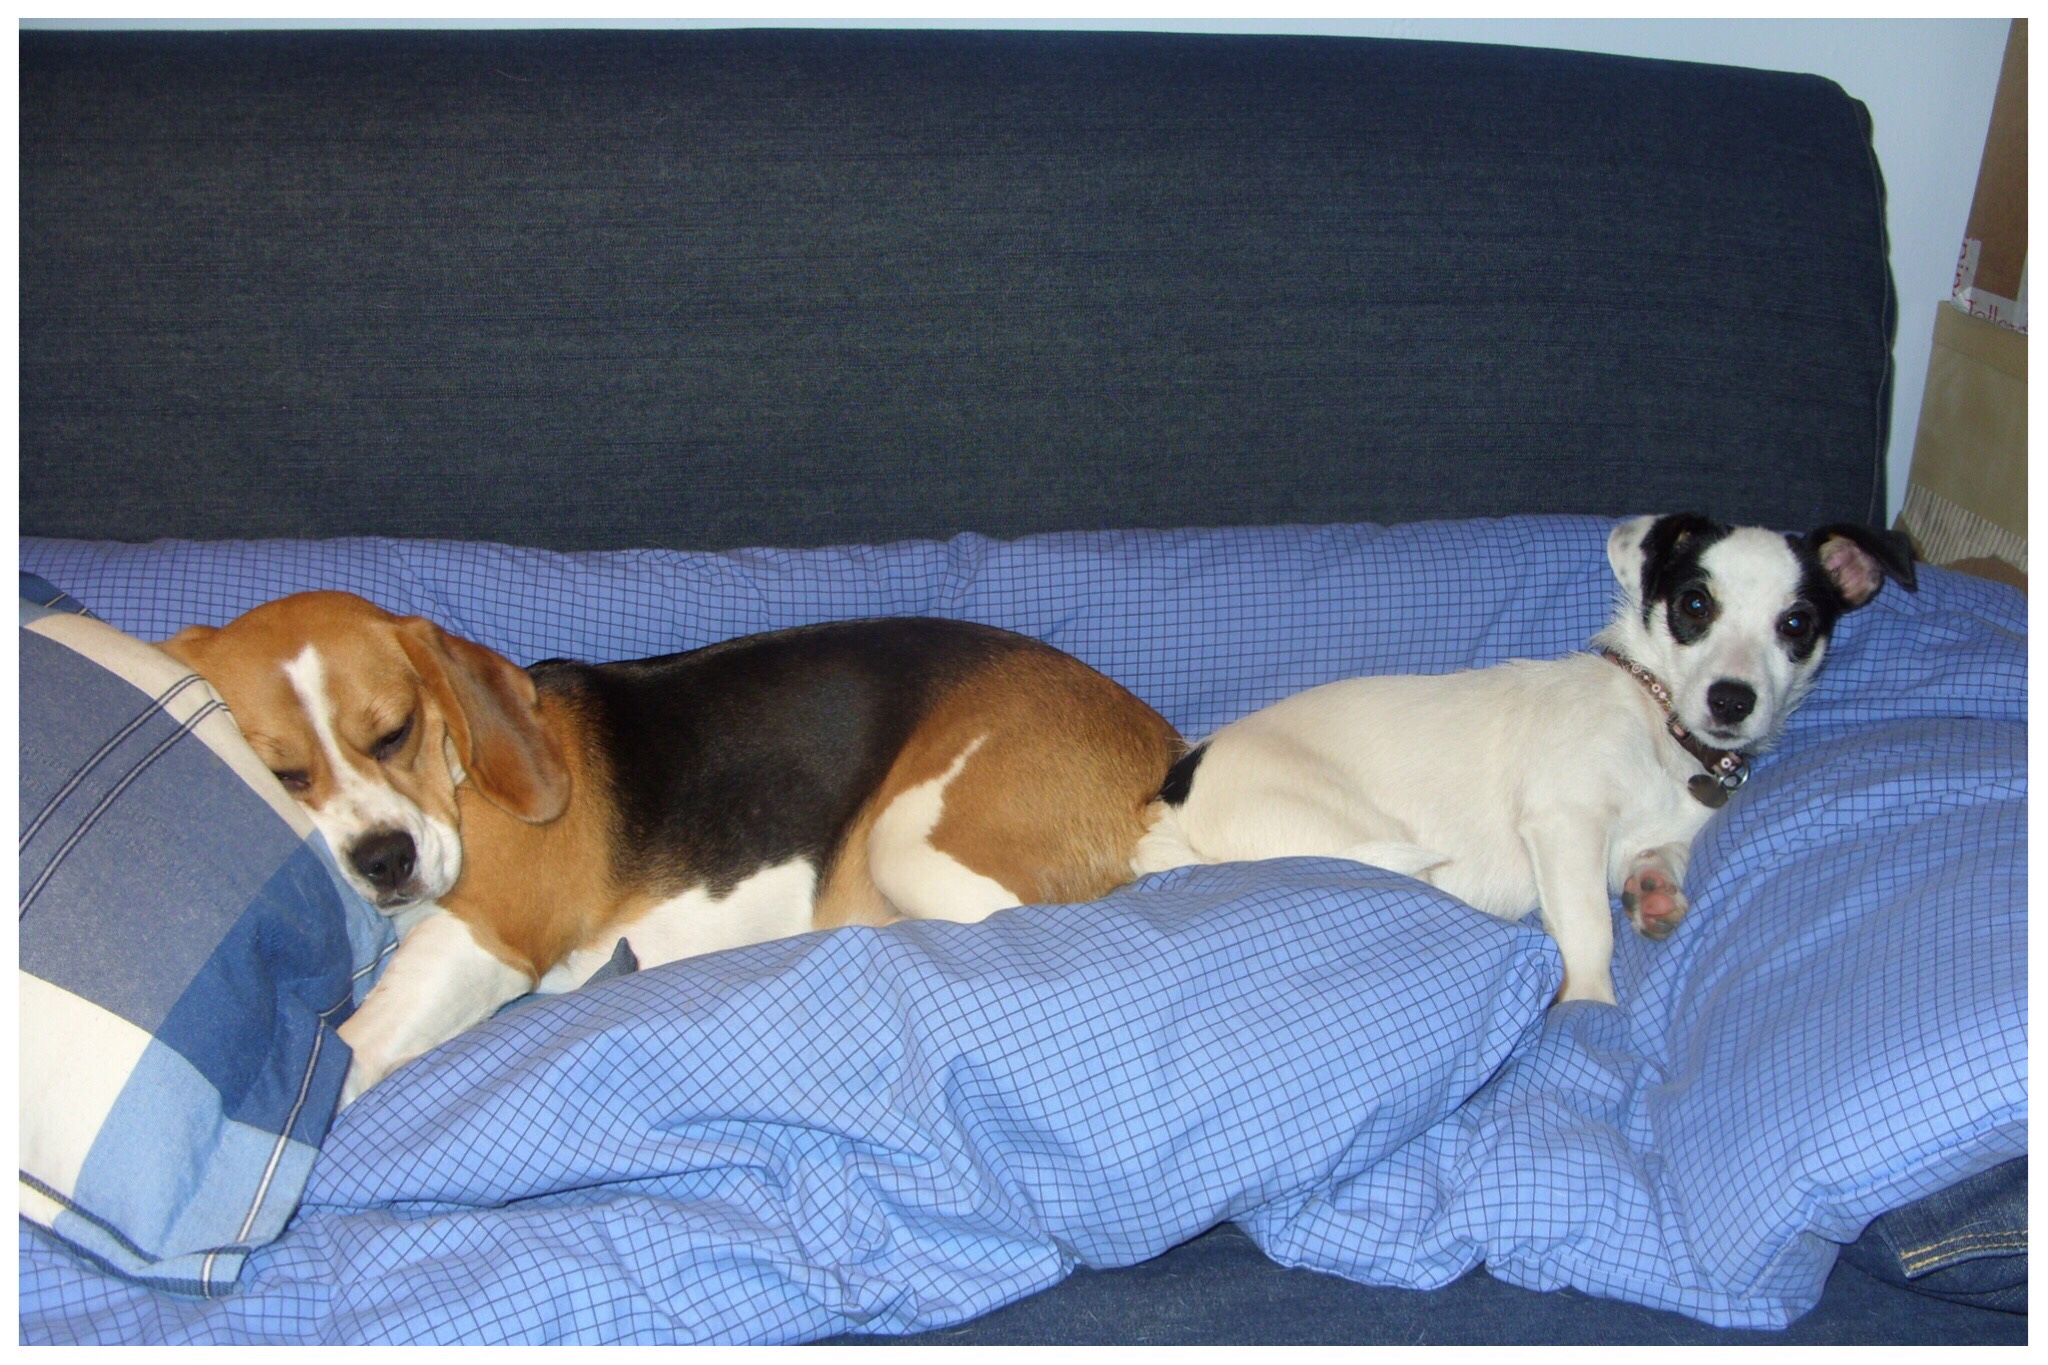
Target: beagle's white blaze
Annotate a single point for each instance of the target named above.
(360, 805)
(919, 880)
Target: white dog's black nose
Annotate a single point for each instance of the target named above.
(385, 858)
(1731, 702)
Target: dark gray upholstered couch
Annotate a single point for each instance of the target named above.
(603, 289)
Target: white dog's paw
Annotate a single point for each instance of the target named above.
(1652, 896)
(1595, 986)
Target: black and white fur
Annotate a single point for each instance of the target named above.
(1549, 784)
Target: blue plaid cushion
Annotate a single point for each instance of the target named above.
(186, 946)
(40, 597)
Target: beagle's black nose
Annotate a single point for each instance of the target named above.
(385, 858)
(1731, 702)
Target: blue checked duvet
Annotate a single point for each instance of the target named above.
(896, 1130)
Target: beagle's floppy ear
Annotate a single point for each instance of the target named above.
(1858, 559)
(488, 704)
(182, 645)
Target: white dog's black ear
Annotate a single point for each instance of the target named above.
(1858, 559)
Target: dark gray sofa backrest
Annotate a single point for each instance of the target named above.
(583, 289)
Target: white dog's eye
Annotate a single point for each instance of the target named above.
(1696, 604)
(387, 748)
(1796, 625)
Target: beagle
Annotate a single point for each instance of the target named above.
(516, 823)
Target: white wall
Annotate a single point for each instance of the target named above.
(1927, 82)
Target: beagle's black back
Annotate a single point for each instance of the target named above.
(753, 751)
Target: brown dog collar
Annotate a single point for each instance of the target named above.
(1726, 770)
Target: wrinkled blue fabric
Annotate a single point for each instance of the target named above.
(1837, 1029)
(879, 1129)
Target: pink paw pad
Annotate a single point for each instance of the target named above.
(1654, 902)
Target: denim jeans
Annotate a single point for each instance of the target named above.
(1967, 1244)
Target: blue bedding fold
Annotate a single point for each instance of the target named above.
(1840, 1029)
(885, 1130)
(899, 1129)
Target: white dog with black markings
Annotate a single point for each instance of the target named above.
(1547, 785)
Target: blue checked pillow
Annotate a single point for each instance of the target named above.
(186, 947)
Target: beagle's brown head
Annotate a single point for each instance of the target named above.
(372, 721)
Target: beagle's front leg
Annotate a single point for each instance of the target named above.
(439, 981)
(1569, 856)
